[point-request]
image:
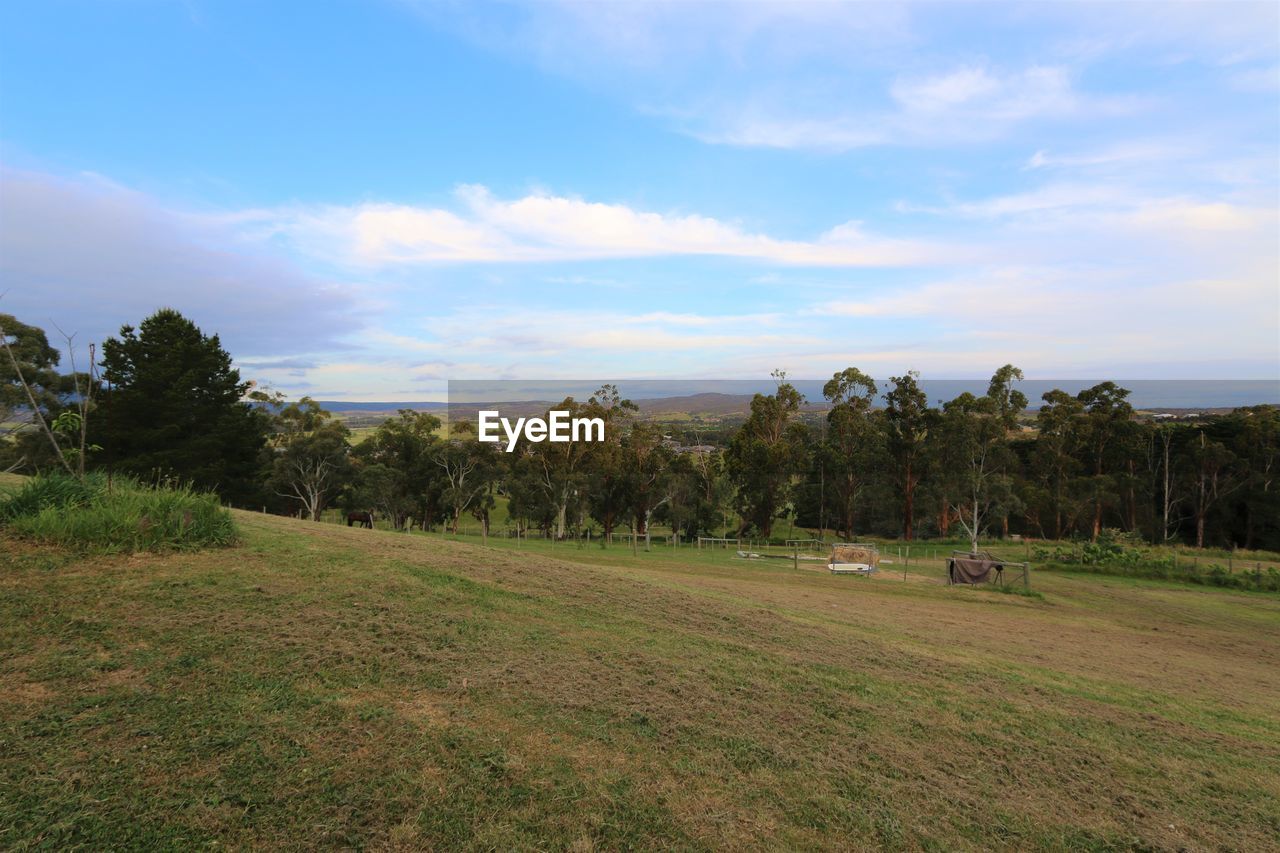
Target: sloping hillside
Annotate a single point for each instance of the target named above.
(320, 685)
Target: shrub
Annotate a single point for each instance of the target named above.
(121, 516)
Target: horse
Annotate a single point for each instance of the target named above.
(364, 519)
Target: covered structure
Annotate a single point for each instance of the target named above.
(853, 558)
(964, 567)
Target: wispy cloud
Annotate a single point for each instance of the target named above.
(1127, 154)
(1265, 79)
(968, 104)
(542, 227)
(1093, 206)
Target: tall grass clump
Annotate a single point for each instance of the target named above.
(122, 516)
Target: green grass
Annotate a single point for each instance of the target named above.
(319, 686)
(117, 515)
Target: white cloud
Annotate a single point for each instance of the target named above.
(541, 227)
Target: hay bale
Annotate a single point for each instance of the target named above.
(855, 554)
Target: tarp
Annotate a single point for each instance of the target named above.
(972, 569)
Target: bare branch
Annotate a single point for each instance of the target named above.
(35, 408)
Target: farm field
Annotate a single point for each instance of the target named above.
(320, 685)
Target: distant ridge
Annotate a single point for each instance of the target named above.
(352, 406)
(1163, 394)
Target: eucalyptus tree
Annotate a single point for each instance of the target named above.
(1257, 444)
(311, 456)
(380, 489)
(766, 454)
(407, 444)
(1214, 473)
(1055, 459)
(698, 493)
(907, 420)
(1160, 465)
(562, 467)
(606, 477)
(1106, 416)
(975, 431)
(848, 452)
(470, 468)
(645, 462)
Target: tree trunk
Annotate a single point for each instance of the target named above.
(908, 510)
(973, 529)
(1097, 501)
(1132, 500)
(561, 511)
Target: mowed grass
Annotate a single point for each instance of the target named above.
(324, 686)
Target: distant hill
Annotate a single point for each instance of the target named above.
(1156, 395)
(696, 405)
(349, 406)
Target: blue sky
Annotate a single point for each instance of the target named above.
(367, 199)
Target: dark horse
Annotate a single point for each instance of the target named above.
(364, 519)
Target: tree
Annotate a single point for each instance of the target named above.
(176, 408)
(1106, 413)
(766, 454)
(847, 454)
(407, 445)
(1213, 476)
(529, 503)
(32, 392)
(606, 479)
(1257, 443)
(1161, 461)
(1056, 450)
(1006, 400)
(975, 430)
(380, 489)
(645, 461)
(312, 458)
(470, 468)
(698, 491)
(907, 417)
(562, 468)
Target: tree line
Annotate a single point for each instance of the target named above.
(166, 402)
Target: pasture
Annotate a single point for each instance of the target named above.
(319, 685)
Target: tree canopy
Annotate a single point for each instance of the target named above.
(175, 408)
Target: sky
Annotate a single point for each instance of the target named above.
(365, 200)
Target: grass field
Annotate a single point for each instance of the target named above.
(319, 685)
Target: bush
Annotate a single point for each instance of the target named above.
(121, 517)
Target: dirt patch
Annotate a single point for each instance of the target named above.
(27, 693)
